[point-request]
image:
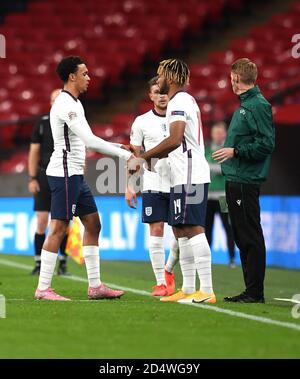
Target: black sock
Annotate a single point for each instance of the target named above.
(63, 257)
(39, 240)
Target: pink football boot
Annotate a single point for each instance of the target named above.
(49, 294)
(103, 292)
(160, 290)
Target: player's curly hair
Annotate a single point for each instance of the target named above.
(175, 70)
(67, 66)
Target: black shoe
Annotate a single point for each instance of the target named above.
(36, 270)
(62, 269)
(244, 298)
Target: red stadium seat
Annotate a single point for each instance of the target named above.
(288, 114)
(144, 106)
(122, 123)
(17, 163)
(105, 131)
(4, 94)
(114, 37)
(7, 133)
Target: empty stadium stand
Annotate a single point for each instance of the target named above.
(116, 38)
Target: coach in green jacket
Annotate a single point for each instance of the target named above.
(245, 162)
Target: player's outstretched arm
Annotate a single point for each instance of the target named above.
(96, 143)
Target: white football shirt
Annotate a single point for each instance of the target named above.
(149, 130)
(71, 135)
(188, 163)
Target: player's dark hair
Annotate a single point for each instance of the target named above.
(175, 70)
(67, 66)
(152, 82)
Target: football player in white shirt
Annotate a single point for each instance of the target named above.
(189, 181)
(147, 131)
(70, 195)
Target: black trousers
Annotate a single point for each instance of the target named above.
(244, 212)
(213, 207)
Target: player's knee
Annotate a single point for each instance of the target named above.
(58, 231)
(97, 227)
(93, 228)
(42, 222)
(41, 228)
(157, 230)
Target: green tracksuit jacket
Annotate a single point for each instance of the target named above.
(252, 133)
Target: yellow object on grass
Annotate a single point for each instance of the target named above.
(74, 242)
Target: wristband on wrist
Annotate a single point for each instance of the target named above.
(30, 178)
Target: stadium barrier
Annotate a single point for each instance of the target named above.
(124, 237)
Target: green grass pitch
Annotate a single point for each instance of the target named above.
(139, 326)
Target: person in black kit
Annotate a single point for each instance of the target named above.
(41, 148)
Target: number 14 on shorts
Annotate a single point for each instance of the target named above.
(177, 207)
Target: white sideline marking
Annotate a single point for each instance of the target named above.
(264, 320)
(6, 262)
(80, 279)
(229, 312)
(288, 300)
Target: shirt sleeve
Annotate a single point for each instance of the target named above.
(36, 136)
(79, 126)
(177, 110)
(264, 139)
(69, 114)
(136, 135)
